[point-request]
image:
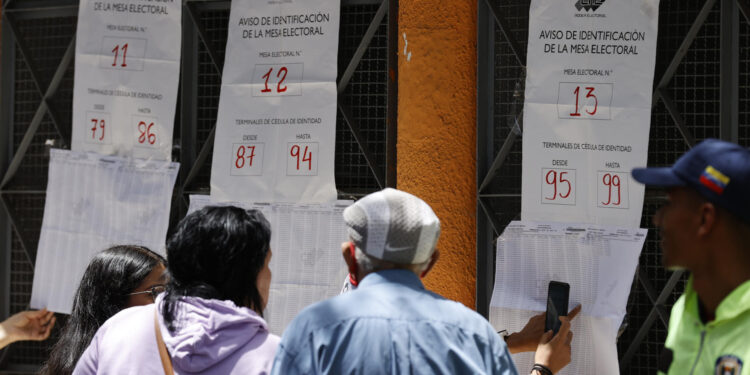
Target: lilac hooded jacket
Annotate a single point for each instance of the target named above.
(210, 337)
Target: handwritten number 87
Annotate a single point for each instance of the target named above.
(554, 179)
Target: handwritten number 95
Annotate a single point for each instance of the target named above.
(554, 179)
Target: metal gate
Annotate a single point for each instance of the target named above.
(38, 49)
(701, 90)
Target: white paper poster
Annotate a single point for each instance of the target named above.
(275, 132)
(587, 110)
(599, 264)
(593, 349)
(127, 70)
(94, 202)
(306, 265)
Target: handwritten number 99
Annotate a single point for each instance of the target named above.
(611, 181)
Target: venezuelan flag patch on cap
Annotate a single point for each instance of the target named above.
(714, 180)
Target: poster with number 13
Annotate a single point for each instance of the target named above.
(587, 110)
(126, 75)
(276, 124)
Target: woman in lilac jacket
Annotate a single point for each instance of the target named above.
(210, 315)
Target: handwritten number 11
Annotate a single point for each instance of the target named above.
(116, 51)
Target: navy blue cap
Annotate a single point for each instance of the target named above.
(718, 170)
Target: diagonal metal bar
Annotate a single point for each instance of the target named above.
(35, 77)
(505, 29)
(650, 319)
(39, 115)
(684, 47)
(12, 214)
(496, 226)
(676, 116)
(510, 140)
(363, 44)
(63, 131)
(645, 282)
(204, 37)
(744, 6)
(357, 133)
(201, 159)
(6, 5)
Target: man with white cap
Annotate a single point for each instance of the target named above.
(390, 323)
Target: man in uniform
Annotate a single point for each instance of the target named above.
(705, 228)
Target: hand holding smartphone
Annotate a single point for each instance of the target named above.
(557, 305)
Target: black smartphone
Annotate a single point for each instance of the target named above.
(557, 304)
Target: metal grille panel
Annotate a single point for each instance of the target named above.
(44, 30)
(695, 90)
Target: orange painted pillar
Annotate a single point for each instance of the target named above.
(436, 142)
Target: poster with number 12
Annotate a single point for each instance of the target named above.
(126, 75)
(587, 109)
(276, 124)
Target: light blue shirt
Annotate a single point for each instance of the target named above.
(391, 325)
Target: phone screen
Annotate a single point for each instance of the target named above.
(557, 304)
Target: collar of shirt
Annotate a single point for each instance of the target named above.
(393, 276)
(737, 302)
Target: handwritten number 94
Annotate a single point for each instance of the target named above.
(553, 178)
(306, 156)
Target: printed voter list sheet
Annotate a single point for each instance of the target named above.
(306, 264)
(593, 349)
(587, 109)
(127, 69)
(94, 202)
(598, 262)
(276, 125)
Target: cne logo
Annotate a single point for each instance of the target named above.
(728, 365)
(592, 5)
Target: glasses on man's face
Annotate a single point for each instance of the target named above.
(152, 291)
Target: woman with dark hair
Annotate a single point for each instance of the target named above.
(209, 320)
(115, 279)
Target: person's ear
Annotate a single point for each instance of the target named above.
(708, 214)
(433, 259)
(351, 261)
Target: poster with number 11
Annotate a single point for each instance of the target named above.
(276, 125)
(126, 75)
